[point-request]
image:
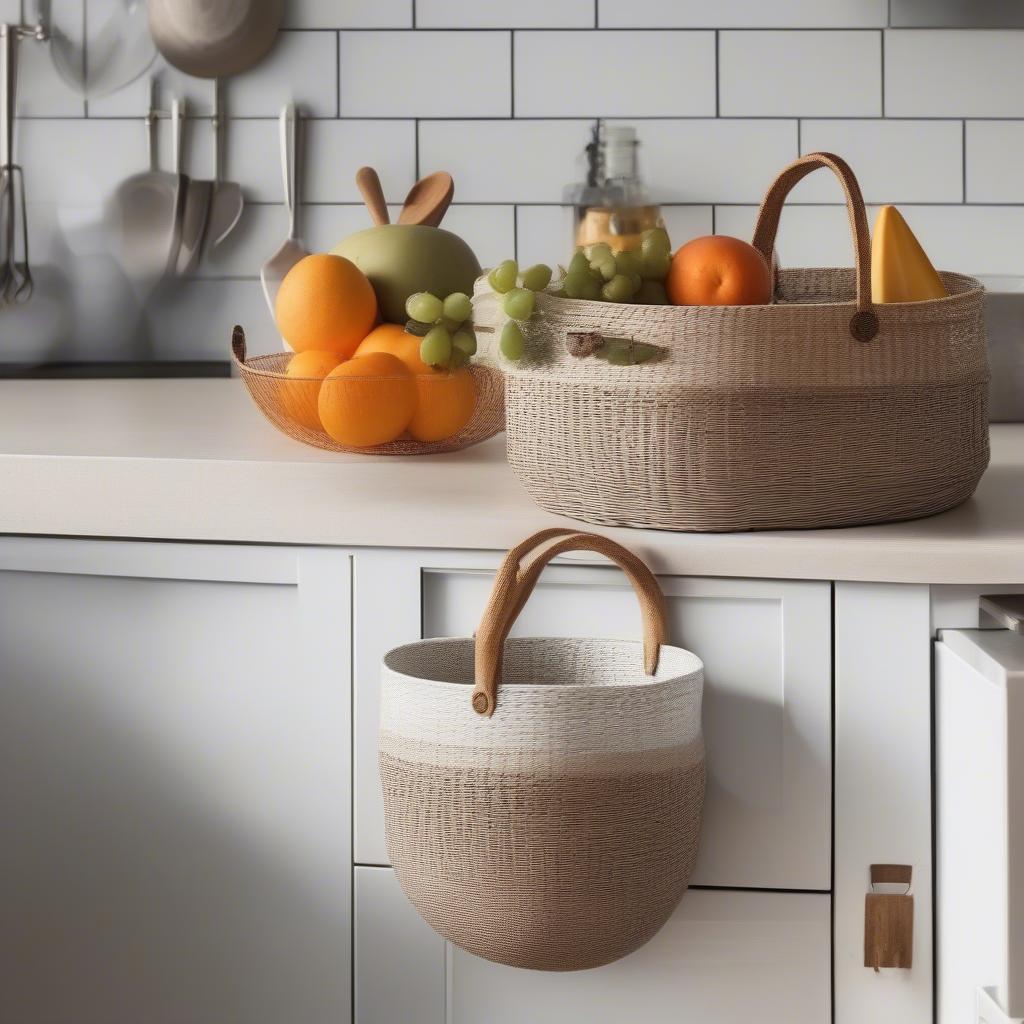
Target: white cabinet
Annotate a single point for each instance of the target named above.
(724, 957)
(979, 748)
(766, 646)
(174, 724)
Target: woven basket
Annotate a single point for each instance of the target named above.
(555, 827)
(817, 410)
(290, 403)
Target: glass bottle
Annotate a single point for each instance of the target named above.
(612, 205)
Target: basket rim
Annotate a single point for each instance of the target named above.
(252, 364)
(644, 682)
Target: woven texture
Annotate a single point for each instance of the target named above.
(290, 404)
(560, 833)
(817, 410)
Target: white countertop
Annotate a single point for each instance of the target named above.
(195, 460)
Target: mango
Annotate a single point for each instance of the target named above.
(400, 259)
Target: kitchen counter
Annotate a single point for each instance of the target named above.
(194, 460)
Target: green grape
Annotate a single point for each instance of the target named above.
(436, 347)
(424, 307)
(581, 286)
(605, 269)
(512, 342)
(464, 342)
(450, 325)
(458, 360)
(654, 265)
(537, 277)
(627, 263)
(503, 277)
(458, 308)
(635, 280)
(618, 289)
(519, 303)
(655, 240)
(579, 264)
(651, 293)
(599, 252)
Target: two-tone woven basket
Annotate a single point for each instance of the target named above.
(820, 409)
(551, 823)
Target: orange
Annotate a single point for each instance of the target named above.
(446, 404)
(393, 339)
(367, 400)
(298, 397)
(325, 302)
(718, 271)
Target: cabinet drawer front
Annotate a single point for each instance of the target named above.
(173, 721)
(766, 651)
(727, 957)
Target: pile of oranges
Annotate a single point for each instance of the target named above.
(360, 381)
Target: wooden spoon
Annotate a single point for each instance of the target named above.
(373, 195)
(428, 200)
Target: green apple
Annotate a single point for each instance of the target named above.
(400, 259)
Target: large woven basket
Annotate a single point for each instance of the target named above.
(554, 825)
(817, 410)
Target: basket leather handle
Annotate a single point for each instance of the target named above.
(864, 323)
(514, 582)
(238, 344)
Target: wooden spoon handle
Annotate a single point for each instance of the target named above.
(373, 195)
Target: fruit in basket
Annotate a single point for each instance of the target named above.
(402, 259)
(718, 270)
(301, 392)
(537, 277)
(436, 347)
(518, 303)
(512, 343)
(503, 277)
(900, 268)
(445, 405)
(424, 308)
(325, 303)
(396, 341)
(367, 400)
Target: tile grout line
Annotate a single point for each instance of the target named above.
(512, 73)
(882, 55)
(718, 74)
(963, 162)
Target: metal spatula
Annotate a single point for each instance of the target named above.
(292, 250)
(227, 202)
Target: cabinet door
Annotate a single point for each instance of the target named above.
(174, 728)
(766, 650)
(726, 957)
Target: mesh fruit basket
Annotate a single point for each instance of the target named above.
(293, 404)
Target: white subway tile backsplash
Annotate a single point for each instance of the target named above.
(42, 92)
(995, 157)
(490, 231)
(809, 236)
(503, 14)
(425, 74)
(302, 67)
(895, 161)
(943, 73)
(800, 74)
(544, 235)
(332, 153)
(686, 222)
(743, 14)
(614, 74)
(714, 161)
(348, 14)
(505, 161)
(133, 99)
(10, 11)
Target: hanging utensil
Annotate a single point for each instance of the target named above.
(214, 38)
(147, 210)
(15, 274)
(119, 53)
(370, 189)
(428, 200)
(292, 250)
(194, 218)
(227, 202)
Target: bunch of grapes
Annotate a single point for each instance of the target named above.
(447, 342)
(518, 302)
(599, 274)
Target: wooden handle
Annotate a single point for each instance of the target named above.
(373, 195)
(238, 344)
(864, 323)
(513, 584)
